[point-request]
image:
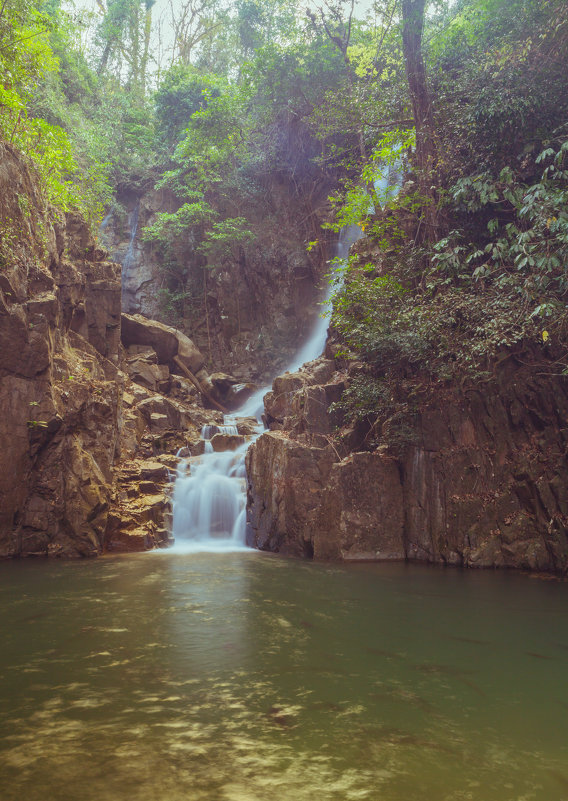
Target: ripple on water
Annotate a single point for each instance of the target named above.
(222, 679)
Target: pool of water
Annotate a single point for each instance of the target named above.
(246, 677)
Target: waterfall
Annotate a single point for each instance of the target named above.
(129, 261)
(315, 344)
(209, 498)
(105, 222)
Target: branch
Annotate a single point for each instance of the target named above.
(25, 39)
(386, 28)
(349, 25)
(2, 9)
(196, 383)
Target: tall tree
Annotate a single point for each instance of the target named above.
(412, 30)
(192, 21)
(125, 34)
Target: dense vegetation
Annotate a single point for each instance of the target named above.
(467, 100)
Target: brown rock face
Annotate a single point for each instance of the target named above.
(286, 480)
(251, 312)
(81, 439)
(483, 481)
(362, 511)
(60, 385)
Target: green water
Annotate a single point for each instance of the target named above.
(245, 677)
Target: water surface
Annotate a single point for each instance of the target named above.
(245, 677)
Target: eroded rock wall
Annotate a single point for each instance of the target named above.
(89, 420)
(59, 379)
(248, 313)
(481, 482)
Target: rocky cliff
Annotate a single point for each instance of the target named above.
(247, 315)
(88, 422)
(481, 481)
(60, 386)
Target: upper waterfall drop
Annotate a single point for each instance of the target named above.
(315, 344)
(129, 262)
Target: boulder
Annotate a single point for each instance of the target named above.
(138, 330)
(153, 376)
(142, 352)
(167, 342)
(247, 425)
(227, 442)
(162, 413)
(189, 354)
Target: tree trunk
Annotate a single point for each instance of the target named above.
(412, 28)
(146, 50)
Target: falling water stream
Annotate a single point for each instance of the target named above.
(129, 262)
(209, 498)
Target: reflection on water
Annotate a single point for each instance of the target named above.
(243, 677)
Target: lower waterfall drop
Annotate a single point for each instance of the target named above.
(209, 504)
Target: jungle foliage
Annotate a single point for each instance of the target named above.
(426, 311)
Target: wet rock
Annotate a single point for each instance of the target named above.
(238, 394)
(286, 480)
(247, 425)
(227, 442)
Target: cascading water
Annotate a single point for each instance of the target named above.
(209, 504)
(129, 261)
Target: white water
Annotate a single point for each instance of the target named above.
(129, 261)
(209, 503)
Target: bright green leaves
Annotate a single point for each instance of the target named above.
(214, 136)
(224, 240)
(529, 232)
(377, 186)
(182, 92)
(32, 111)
